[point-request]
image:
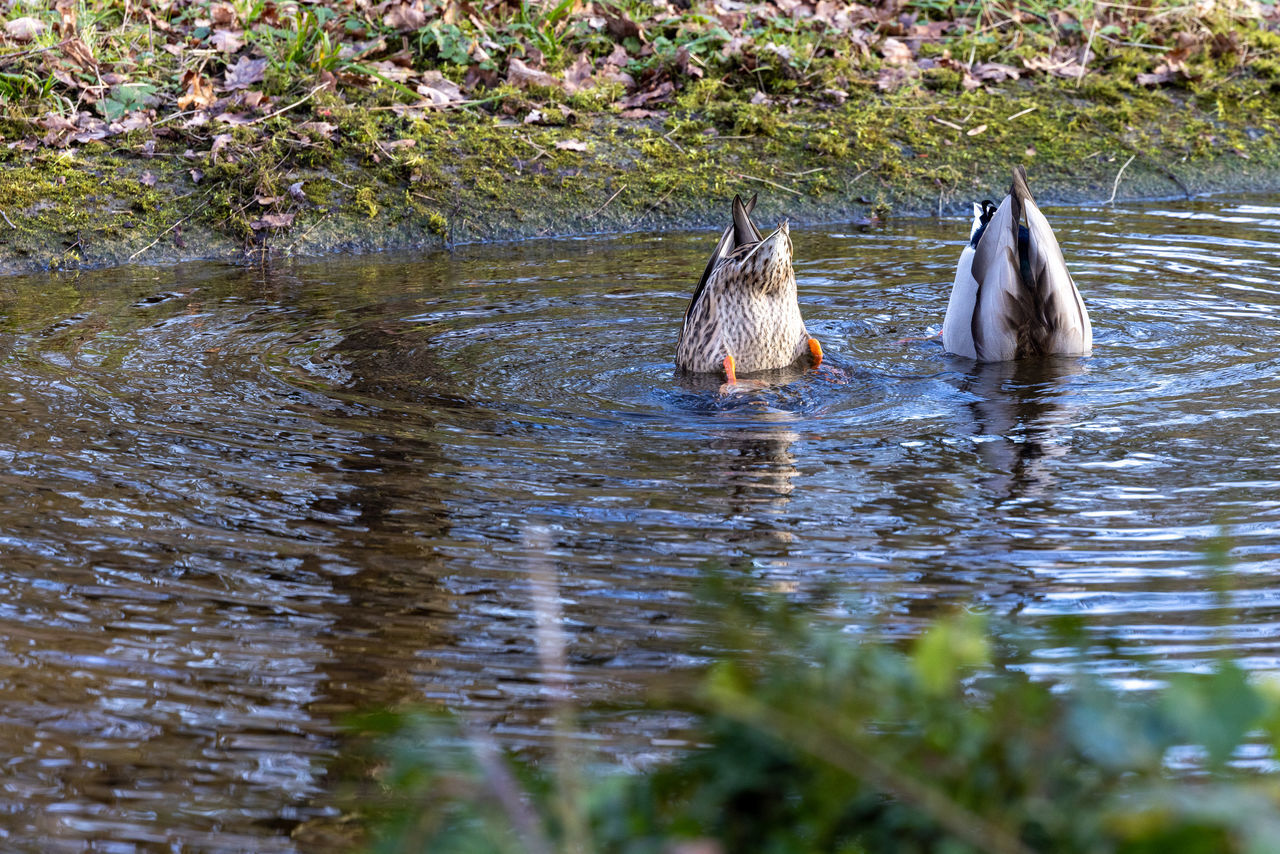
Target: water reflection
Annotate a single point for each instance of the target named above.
(1020, 415)
(240, 505)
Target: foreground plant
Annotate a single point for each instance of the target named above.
(817, 742)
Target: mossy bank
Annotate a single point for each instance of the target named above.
(369, 179)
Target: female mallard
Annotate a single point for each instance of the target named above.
(744, 316)
(1013, 296)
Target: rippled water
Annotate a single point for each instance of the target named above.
(240, 504)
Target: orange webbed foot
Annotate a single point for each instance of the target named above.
(815, 350)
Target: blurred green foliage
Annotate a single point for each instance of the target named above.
(817, 741)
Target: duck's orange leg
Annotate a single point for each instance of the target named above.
(730, 371)
(815, 350)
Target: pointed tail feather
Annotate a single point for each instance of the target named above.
(730, 239)
(744, 230)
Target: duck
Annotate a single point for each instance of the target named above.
(1013, 297)
(744, 315)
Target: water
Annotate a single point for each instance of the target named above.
(240, 504)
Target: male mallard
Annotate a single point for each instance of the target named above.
(744, 316)
(1013, 296)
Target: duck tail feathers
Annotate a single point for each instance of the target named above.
(744, 230)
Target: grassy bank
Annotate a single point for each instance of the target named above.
(236, 130)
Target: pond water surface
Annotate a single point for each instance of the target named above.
(239, 504)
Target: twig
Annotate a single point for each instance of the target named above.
(542, 152)
(171, 228)
(805, 172)
(4, 60)
(606, 204)
(946, 123)
(1174, 178)
(770, 183)
(506, 790)
(1030, 109)
(305, 234)
(654, 206)
(173, 116)
(850, 754)
(296, 103)
(6, 219)
(667, 137)
(1084, 61)
(1116, 185)
(162, 234)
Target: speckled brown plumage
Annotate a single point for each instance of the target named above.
(746, 305)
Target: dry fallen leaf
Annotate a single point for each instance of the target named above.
(278, 220)
(620, 25)
(571, 145)
(147, 179)
(199, 91)
(245, 73)
(323, 130)
(23, 29)
(1164, 73)
(895, 52)
(66, 10)
(975, 130)
(79, 52)
(522, 76)
(995, 72)
(405, 16)
(618, 57)
(1062, 63)
(581, 73)
(657, 93)
(295, 190)
(227, 41)
(222, 13)
(219, 142)
(439, 90)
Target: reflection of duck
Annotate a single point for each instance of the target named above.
(754, 472)
(1018, 413)
(1013, 296)
(744, 315)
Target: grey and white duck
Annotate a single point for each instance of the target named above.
(744, 315)
(1013, 297)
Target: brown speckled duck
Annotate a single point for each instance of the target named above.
(1013, 296)
(744, 316)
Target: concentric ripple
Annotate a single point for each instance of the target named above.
(240, 504)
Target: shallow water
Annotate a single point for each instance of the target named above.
(240, 504)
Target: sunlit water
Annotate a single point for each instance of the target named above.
(238, 504)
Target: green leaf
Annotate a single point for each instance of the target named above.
(1215, 711)
(947, 649)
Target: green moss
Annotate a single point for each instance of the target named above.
(471, 175)
(943, 79)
